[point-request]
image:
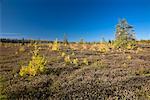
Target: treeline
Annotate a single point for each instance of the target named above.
(7, 40)
(144, 41)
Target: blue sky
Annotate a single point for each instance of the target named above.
(88, 19)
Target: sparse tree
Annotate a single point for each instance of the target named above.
(125, 35)
(81, 41)
(124, 31)
(23, 41)
(65, 39)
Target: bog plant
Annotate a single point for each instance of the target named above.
(35, 66)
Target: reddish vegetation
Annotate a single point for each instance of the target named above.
(114, 75)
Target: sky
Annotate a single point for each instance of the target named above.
(90, 20)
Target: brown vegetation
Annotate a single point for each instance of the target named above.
(77, 71)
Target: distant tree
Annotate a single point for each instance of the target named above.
(124, 31)
(103, 40)
(125, 35)
(23, 41)
(65, 39)
(81, 41)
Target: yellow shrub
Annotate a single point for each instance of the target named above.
(23, 71)
(22, 49)
(32, 71)
(129, 57)
(129, 47)
(72, 53)
(85, 61)
(125, 65)
(67, 59)
(63, 54)
(65, 44)
(36, 65)
(55, 46)
(103, 48)
(75, 61)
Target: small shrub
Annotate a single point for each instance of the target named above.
(23, 71)
(85, 61)
(124, 44)
(63, 54)
(36, 65)
(99, 64)
(67, 59)
(125, 65)
(21, 49)
(55, 46)
(143, 71)
(75, 61)
(129, 57)
(104, 48)
(72, 53)
(3, 96)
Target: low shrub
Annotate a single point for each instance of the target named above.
(36, 65)
(21, 49)
(56, 46)
(85, 61)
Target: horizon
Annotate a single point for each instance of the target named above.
(88, 20)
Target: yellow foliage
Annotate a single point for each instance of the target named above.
(50, 46)
(63, 54)
(103, 48)
(55, 46)
(31, 71)
(73, 54)
(129, 47)
(65, 44)
(67, 59)
(22, 49)
(85, 61)
(75, 61)
(94, 47)
(129, 57)
(124, 65)
(35, 66)
(74, 46)
(23, 71)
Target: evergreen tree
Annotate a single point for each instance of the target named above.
(65, 39)
(124, 31)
